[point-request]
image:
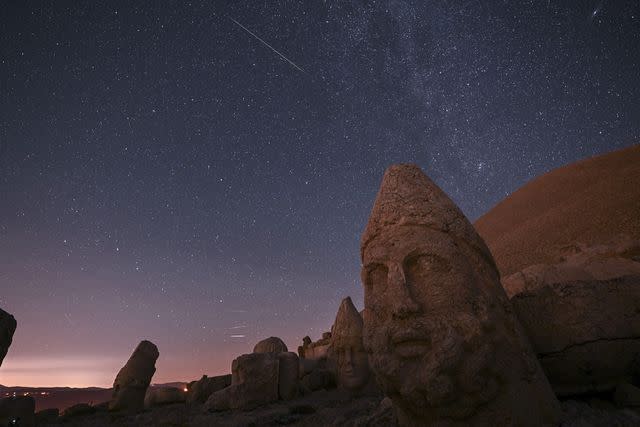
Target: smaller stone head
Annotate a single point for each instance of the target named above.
(352, 364)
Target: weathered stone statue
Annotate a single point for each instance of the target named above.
(441, 335)
(346, 349)
(131, 383)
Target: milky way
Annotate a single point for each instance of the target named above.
(166, 176)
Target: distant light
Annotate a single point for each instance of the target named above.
(185, 389)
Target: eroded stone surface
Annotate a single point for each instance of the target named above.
(289, 366)
(164, 396)
(131, 383)
(254, 382)
(351, 360)
(586, 333)
(270, 345)
(199, 391)
(443, 341)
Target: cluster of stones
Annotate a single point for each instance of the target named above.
(446, 341)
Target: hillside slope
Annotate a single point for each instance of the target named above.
(590, 201)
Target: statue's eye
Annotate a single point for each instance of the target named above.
(376, 277)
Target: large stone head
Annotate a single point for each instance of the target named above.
(352, 365)
(430, 288)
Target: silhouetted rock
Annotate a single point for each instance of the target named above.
(131, 383)
(157, 396)
(200, 390)
(78, 410)
(254, 382)
(288, 375)
(443, 341)
(19, 410)
(586, 333)
(270, 345)
(351, 360)
(7, 328)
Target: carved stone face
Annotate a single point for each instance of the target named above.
(427, 321)
(352, 363)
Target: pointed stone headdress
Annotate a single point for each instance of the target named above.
(348, 324)
(408, 197)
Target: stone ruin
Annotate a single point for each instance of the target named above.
(442, 337)
(131, 383)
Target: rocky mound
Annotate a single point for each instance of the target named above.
(589, 201)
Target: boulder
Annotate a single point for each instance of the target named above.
(442, 337)
(7, 328)
(199, 391)
(78, 410)
(317, 349)
(254, 382)
(288, 375)
(580, 262)
(19, 410)
(270, 345)
(157, 396)
(320, 378)
(586, 334)
(131, 383)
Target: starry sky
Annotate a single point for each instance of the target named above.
(199, 173)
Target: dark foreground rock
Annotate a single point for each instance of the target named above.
(335, 408)
(131, 383)
(19, 410)
(199, 391)
(7, 328)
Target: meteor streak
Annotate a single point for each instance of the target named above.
(267, 44)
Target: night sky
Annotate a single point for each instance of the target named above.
(166, 175)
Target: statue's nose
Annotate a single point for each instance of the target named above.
(403, 303)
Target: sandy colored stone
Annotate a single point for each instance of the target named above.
(589, 201)
(7, 329)
(254, 382)
(19, 408)
(164, 396)
(580, 262)
(270, 345)
(586, 333)
(131, 383)
(347, 350)
(288, 372)
(441, 334)
(200, 390)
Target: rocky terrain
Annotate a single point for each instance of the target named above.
(540, 326)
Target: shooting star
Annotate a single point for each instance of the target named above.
(268, 45)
